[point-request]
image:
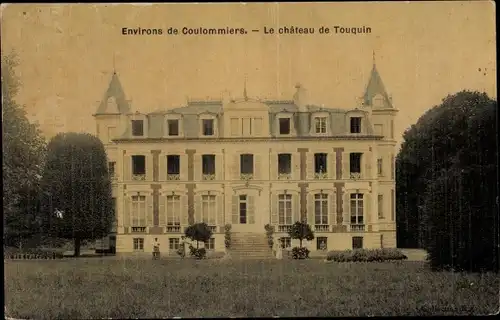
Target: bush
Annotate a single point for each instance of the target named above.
(227, 236)
(366, 255)
(300, 253)
(198, 253)
(301, 231)
(269, 233)
(198, 232)
(14, 253)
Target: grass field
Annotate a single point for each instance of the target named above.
(114, 288)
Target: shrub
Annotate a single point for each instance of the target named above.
(227, 236)
(366, 255)
(198, 232)
(301, 231)
(269, 233)
(300, 253)
(198, 253)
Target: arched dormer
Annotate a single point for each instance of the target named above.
(173, 125)
(355, 122)
(284, 124)
(208, 123)
(320, 123)
(138, 123)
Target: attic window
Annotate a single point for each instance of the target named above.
(284, 125)
(356, 125)
(320, 124)
(208, 127)
(173, 127)
(137, 128)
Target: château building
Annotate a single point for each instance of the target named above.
(250, 162)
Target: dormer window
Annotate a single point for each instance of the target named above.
(356, 125)
(320, 124)
(284, 125)
(137, 128)
(208, 127)
(173, 127)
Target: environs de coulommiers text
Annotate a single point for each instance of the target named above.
(242, 31)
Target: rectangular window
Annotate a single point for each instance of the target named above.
(137, 128)
(208, 210)
(234, 127)
(243, 209)
(210, 244)
(257, 125)
(357, 242)
(173, 210)
(355, 162)
(285, 209)
(138, 211)
(320, 163)
(246, 164)
(173, 164)
(208, 164)
(208, 127)
(380, 168)
(321, 243)
(111, 169)
(138, 244)
(380, 206)
(138, 165)
(356, 208)
(320, 124)
(355, 125)
(320, 209)
(173, 127)
(284, 163)
(286, 242)
(173, 243)
(284, 124)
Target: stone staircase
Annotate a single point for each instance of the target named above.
(250, 245)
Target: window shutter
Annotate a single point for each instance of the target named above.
(251, 209)
(235, 167)
(197, 208)
(332, 207)
(149, 167)
(126, 210)
(234, 210)
(347, 208)
(345, 165)
(310, 165)
(295, 208)
(183, 167)
(127, 167)
(220, 210)
(310, 209)
(219, 170)
(257, 167)
(295, 165)
(149, 210)
(366, 208)
(184, 210)
(162, 212)
(367, 158)
(197, 163)
(273, 166)
(274, 209)
(331, 166)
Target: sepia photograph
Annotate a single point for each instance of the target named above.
(200, 160)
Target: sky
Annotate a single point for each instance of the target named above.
(423, 52)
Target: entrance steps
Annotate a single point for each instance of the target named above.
(250, 245)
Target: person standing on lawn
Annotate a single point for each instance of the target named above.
(156, 249)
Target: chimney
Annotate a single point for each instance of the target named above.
(300, 98)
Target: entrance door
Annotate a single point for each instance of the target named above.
(243, 214)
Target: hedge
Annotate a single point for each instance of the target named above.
(366, 255)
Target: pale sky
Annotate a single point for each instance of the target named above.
(424, 51)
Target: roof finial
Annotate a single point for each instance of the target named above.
(245, 89)
(373, 55)
(114, 63)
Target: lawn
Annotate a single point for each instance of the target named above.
(117, 288)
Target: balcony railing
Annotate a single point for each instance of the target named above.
(284, 176)
(173, 176)
(246, 176)
(210, 176)
(284, 228)
(321, 228)
(320, 175)
(355, 175)
(357, 227)
(138, 229)
(139, 177)
(174, 229)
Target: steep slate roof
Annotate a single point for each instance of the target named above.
(115, 90)
(375, 86)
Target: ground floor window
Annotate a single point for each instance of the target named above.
(210, 244)
(286, 242)
(321, 243)
(357, 242)
(173, 243)
(138, 244)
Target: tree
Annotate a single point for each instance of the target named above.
(77, 201)
(198, 232)
(23, 155)
(428, 148)
(301, 231)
